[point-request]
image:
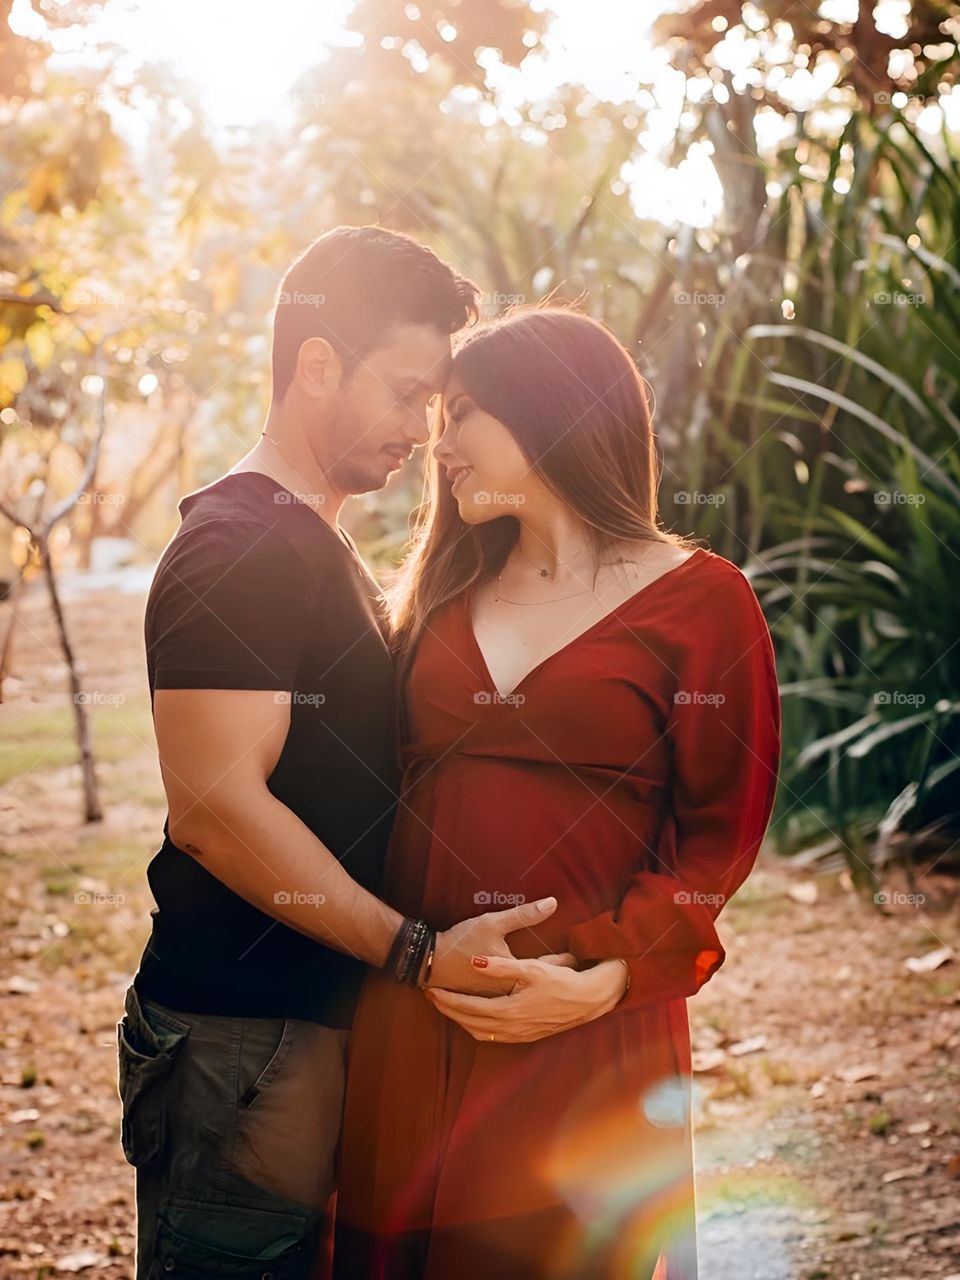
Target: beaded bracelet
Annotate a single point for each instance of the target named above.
(413, 944)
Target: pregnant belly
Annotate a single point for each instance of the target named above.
(485, 835)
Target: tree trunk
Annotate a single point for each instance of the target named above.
(6, 653)
(91, 799)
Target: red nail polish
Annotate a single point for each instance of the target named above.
(478, 962)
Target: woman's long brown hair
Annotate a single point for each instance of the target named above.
(577, 406)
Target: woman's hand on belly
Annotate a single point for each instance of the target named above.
(546, 997)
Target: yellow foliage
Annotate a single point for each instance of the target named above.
(45, 186)
(13, 378)
(40, 344)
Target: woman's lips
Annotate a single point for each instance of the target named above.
(457, 476)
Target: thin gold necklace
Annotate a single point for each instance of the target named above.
(529, 604)
(545, 573)
(499, 599)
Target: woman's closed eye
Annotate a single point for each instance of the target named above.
(459, 410)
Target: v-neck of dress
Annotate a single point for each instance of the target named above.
(467, 599)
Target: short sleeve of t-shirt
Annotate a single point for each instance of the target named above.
(229, 609)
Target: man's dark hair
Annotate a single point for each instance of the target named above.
(353, 285)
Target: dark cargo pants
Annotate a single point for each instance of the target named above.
(233, 1126)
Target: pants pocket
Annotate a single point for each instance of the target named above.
(278, 1056)
(291, 1103)
(201, 1241)
(148, 1040)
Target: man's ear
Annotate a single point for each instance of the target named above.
(319, 368)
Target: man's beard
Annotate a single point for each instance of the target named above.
(358, 475)
(349, 469)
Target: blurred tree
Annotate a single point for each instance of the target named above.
(528, 207)
(864, 54)
(451, 32)
(21, 57)
(742, 60)
(40, 523)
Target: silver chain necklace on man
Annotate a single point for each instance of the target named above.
(276, 445)
(303, 495)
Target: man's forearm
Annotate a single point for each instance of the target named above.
(262, 851)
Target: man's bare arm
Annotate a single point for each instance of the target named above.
(218, 748)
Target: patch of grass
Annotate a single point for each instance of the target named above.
(93, 942)
(43, 737)
(58, 881)
(880, 1122)
(778, 1072)
(142, 792)
(735, 1082)
(108, 857)
(35, 739)
(743, 1189)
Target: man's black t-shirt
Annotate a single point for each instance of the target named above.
(256, 591)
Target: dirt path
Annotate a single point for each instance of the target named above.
(828, 1150)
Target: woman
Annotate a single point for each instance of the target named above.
(591, 714)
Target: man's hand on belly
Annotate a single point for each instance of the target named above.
(483, 935)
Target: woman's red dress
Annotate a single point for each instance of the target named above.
(631, 775)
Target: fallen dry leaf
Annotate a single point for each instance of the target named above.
(908, 1171)
(708, 1060)
(19, 986)
(753, 1045)
(929, 961)
(805, 892)
(850, 1075)
(80, 1260)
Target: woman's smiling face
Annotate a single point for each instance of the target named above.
(488, 472)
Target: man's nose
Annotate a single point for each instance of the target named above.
(441, 449)
(416, 428)
(418, 431)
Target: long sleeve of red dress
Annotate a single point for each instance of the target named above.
(724, 734)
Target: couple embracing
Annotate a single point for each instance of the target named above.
(442, 862)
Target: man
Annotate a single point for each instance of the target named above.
(273, 703)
